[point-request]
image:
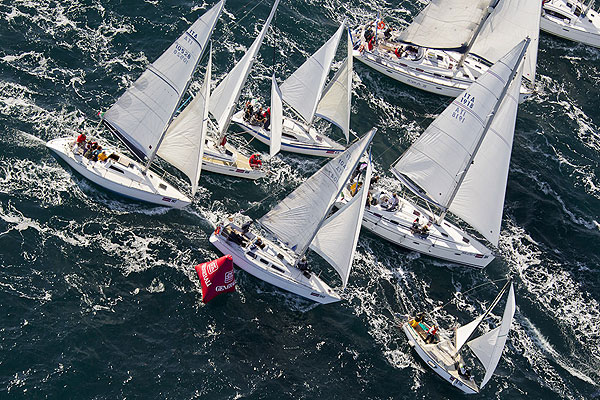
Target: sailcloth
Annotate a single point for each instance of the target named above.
(334, 106)
(436, 161)
(227, 93)
(337, 238)
(510, 22)
(303, 89)
(276, 118)
(488, 347)
(183, 144)
(464, 332)
(142, 113)
(296, 219)
(446, 24)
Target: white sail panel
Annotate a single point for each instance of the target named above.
(440, 155)
(226, 94)
(510, 23)
(276, 118)
(488, 347)
(445, 24)
(480, 198)
(183, 144)
(142, 113)
(303, 89)
(296, 219)
(335, 104)
(336, 240)
(462, 334)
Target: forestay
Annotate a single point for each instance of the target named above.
(436, 161)
(488, 347)
(226, 94)
(303, 89)
(334, 106)
(336, 240)
(276, 118)
(511, 21)
(296, 219)
(445, 24)
(183, 144)
(142, 113)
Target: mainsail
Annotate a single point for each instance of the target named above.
(142, 114)
(297, 218)
(303, 89)
(450, 147)
(276, 118)
(336, 240)
(227, 93)
(334, 106)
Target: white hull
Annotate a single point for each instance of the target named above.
(438, 360)
(446, 242)
(272, 264)
(295, 139)
(430, 69)
(560, 20)
(228, 161)
(123, 177)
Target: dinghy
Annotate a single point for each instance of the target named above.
(141, 118)
(299, 222)
(444, 355)
(572, 20)
(451, 43)
(458, 165)
(306, 94)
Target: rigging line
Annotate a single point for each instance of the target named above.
(468, 291)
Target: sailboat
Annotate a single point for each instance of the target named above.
(141, 118)
(572, 20)
(307, 95)
(443, 355)
(459, 165)
(299, 222)
(451, 43)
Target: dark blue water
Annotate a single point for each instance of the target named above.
(98, 296)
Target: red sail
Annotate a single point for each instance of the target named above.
(216, 277)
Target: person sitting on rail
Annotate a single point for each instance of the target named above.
(267, 118)
(249, 111)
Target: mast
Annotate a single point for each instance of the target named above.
(472, 41)
(484, 133)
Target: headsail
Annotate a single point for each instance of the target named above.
(303, 89)
(141, 115)
(442, 154)
(488, 347)
(336, 240)
(276, 118)
(335, 104)
(446, 24)
(227, 93)
(183, 144)
(297, 218)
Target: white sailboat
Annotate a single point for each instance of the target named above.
(305, 92)
(443, 355)
(451, 43)
(458, 165)
(572, 20)
(142, 118)
(300, 222)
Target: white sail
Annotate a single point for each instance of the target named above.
(511, 21)
(183, 144)
(142, 113)
(303, 89)
(276, 118)
(446, 24)
(437, 159)
(335, 104)
(296, 219)
(336, 240)
(462, 334)
(227, 93)
(480, 198)
(488, 347)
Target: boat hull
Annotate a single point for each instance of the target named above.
(114, 176)
(569, 31)
(227, 160)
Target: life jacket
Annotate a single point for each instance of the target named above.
(255, 161)
(81, 138)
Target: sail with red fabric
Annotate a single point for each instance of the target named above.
(216, 277)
